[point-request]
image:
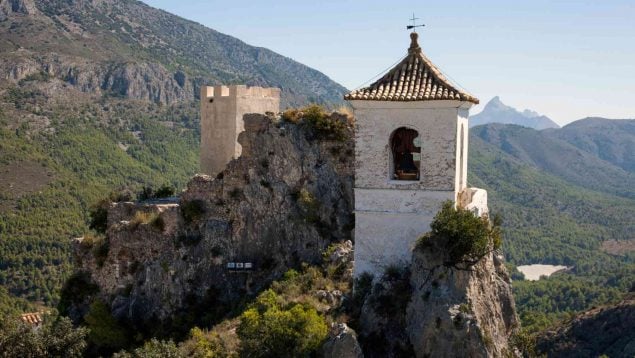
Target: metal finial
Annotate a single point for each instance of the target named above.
(414, 25)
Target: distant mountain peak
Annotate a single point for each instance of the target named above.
(496, 111)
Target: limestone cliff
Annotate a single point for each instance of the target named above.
(280, 204)
(433, 309)
(467, 310)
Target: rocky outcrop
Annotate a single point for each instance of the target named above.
(133, 80)
(468, 310)
(9, 7)
(438, 310)
(601, 331)
(342, 343)
(280, 204)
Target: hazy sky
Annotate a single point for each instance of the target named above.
(565, 59)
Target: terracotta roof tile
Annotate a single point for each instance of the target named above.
(415, 78)
(33, 318)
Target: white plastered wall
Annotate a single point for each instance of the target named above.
(390, 215)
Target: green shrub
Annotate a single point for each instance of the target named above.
(144, 218)
(291, 274)
(165, 191)
(269, 328)
(464, 308)
(193, 210)
(323, 124)
(36, 77)
(122, 194)
(153, 348)
(463, 237)
(524, 342)
(291, 115)
(146, 193)
(309, 205)
(155, 220)
(203, 344)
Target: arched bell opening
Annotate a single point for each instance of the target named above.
(405, 149)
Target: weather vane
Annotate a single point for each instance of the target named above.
(414, 25)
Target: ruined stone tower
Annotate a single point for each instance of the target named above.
(222, 111)
(410, 156)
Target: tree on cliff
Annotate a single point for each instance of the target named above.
(462, 236)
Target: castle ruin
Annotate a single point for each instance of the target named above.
(222, 111)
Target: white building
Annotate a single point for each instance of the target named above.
(410, 156)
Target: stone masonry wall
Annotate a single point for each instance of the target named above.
(222, 111)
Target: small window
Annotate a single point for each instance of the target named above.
(406, 153)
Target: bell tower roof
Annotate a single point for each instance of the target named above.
(415, 78)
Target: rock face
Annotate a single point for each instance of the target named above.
(280, 204)
(606, 330)
(434, 310)
(9, 7)
(140, 81)
(452, 310)
(342, 343)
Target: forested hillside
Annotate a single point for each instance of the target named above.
(51, 178)
(552, 215)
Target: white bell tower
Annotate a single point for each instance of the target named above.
(410, 156)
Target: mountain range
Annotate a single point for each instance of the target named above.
(128, 49)
(496, 111)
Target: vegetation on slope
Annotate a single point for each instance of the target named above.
(548, 220)
(56, 338)
(86, 157)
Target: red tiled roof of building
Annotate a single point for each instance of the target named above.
(415, 78)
